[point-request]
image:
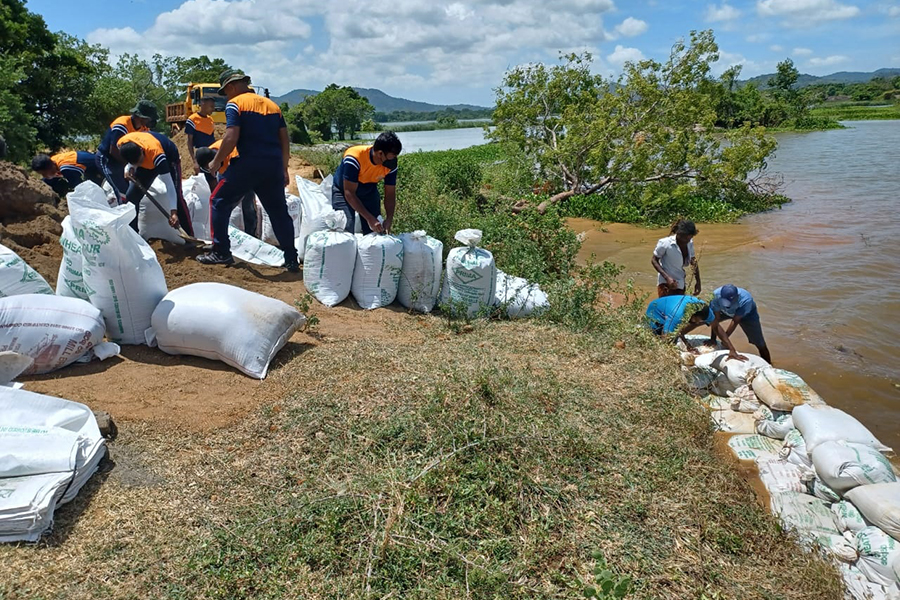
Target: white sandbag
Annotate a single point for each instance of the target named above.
(518, 297)
(737, 371)
(727, 420)
(779, 476)
(153, 224)
(121, 273)
(236, 219)
(314, 206)
(879, 556)
(847, 517)
(330, 260)
(699, 343)
(13, 364)
(267, 233)
(803, 513)
(879, 503)
(820, 423)
(376, 276)
(253, 250)
(196, 196)
(794, 449)
(773, 426)
(17, 277)
(753, 447)
(222, 322)
(743, 400)
(818, 488)
(858, 586)
(420, 278)
(701, 379)
(471, 274)
(70, 281)
(54, 331)
(843, 465)
(109, 195)
(782, 390)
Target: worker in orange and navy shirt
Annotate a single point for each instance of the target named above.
(151, 155)
(142, 118)
(248, 202)
(72, 168)
(256, 127)
(200, 130)
(355, 188)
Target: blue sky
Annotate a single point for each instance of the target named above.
(457, 51)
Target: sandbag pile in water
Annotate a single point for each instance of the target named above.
(49, 448)
(826, 473)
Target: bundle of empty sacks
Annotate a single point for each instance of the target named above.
(826, 474)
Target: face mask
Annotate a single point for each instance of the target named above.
(390, 164)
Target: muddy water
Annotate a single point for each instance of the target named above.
(824, 269)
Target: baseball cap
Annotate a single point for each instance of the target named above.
(230, 76)
(727, 295)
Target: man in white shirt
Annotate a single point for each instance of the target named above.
(671, 256)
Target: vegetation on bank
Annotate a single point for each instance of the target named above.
(857, 111)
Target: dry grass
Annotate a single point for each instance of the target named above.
(484, 465)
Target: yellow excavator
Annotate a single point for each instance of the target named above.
(178, 113)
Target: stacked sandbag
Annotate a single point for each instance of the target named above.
(844, 465)
(49, 448)
(222, 322)
(420, 278)
(153, 223)
(737, 372)
(376, 276)
(813, 522)
(820, 423)
(197, 197)
(315, 206)
(773, 424)
(329, 261)
(54, 331)
(879, 503)
(879, 556)
(17, 277)
(518, 297)
(726, 419)
(782, 390)
(471, 275)
(121, 273)
(267, 232)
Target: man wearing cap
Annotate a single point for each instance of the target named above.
(109, 161)
(732, 302)
(256, 127)
(74, 167)
(667, 315)
(200, 130)
(248, 202)
(151, 155)
(355, 188)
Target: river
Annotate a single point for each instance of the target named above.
(439, 139)
(822, 269)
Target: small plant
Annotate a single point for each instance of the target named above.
(303, 304)
(608, 584)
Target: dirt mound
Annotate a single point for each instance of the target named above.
(19, 193)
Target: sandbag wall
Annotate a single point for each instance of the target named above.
(827, 475)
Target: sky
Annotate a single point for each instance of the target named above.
(456, 51)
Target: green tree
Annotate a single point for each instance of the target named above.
(783, 87)
(179, 71)
(15, 122)
(296, 126)
(650, 136)
(336, 109)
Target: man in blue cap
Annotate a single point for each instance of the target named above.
(732, 302)
(667, 315)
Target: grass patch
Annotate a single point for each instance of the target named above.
(857, 111)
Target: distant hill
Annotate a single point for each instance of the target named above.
(804, 80)
(381, 101)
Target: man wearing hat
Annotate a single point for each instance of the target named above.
(200, 130)
(732, 302)
(256, 127)
(143, 116)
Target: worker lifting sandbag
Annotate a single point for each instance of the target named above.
(820, 423)
(379, 262)
(879, 503)
(782, 390)
(420, 278)
(17, 276)
(471, 275)
(843, 465)
(330, 260)
(222, 322)
(54, 331)
(121, 273)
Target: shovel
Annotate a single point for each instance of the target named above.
(165, 213)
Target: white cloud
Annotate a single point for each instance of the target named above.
(776, 48)
(828, 60)
(729, 59)
(726, 12)
(631, 27)
(412, 47)
(801, 52)
(622, 54)
(800, 12)
(893, 11)
(758, 38)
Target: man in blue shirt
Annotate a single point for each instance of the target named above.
(732, 302)
(666, 315)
